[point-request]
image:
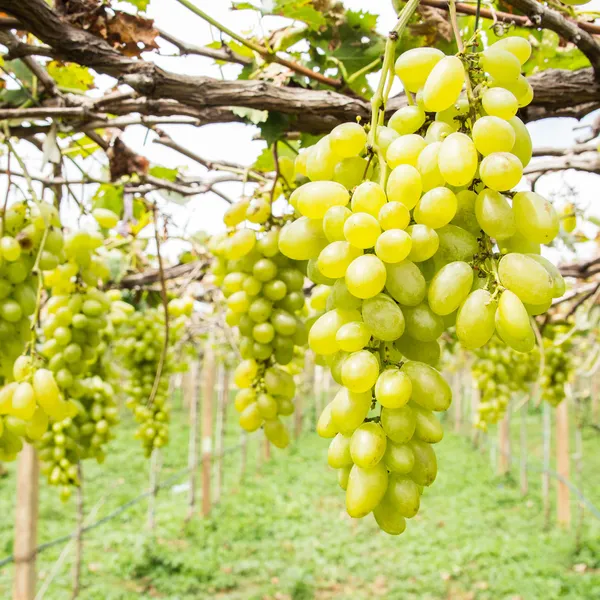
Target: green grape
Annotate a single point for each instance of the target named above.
(438, 131)
(362, 230)
(353, 336)
(366, 488)
(393, 215)
(405, 150)
(360, 371)
(349, 409)
(315, 198)
(393, 388)
(398, 458)
(405, 283)
(475, 321)
(322, 335)
(333, 223)
(516, 45)
(449, 287)
(495, 215)
(383, 318)
(407, 119)
(425, 470)
(457, 159)
(444, 84)
(436, 208)
(427, 427)
(422, 323)
(430, 389)
(414, 66)
(393, 246)
(404, 185)
(500, 171)
(428, 166)
(492, 134)
(398, 423)
(535, 217)
(425, 242)
(367, 445)
(347, 139)
(366, 276)
(302, 239)
(338, 454)
(526, 277)
(368, 197)
(499, 102)
(427, 352)
(321, 160)
(523, 147)
(501, 64)
(335, 259)
(349, 171)
(512, 323)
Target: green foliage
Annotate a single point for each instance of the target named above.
(266, 161)
(273, 128)
(139, 4)
(163, 173)
(301, 10)
(109, 196)
(70, 76)
(282, 532)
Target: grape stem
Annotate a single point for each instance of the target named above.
(165, 303)
(387, 76)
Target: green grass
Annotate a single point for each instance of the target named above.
(284, 533)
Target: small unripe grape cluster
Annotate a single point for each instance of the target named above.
(428, 238)
(81, 436)
(558, 371)
(264, 295)
(140, 342)
(500, 372)
(27, 405)
(23, 232)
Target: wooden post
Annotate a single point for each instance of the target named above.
(222, 393)
(267, 449)
(579, 468)
(154, 469)
(26, 524)
(208, 380)
(504, 458)
(547, 442)
(187, 392)
(562, 461)
(457, 401)
(190, 392)
(78, 559)
(523, 449)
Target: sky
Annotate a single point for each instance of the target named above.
(235, 142)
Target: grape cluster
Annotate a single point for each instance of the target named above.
(558, 371)
(29, 232)
(80, 436)
(427, 238)
(500, 372)
(265, 298)
(140, 342)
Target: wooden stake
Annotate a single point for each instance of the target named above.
(504, 458)
(78, 559)
(244, 457)
(222, 393)
(267, 450)
(547, 442)
(562, 461)
(190, 392)
(208, 380)
(579, 469)
(523, 449)
(26, 518)
(154, 470)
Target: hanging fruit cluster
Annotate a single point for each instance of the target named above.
(414, 226)
(264, 296)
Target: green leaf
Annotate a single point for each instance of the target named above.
(300, 10)
(251, 114)
(243, 6)
(82, 146)
(276, 124)
(109, 196)
(266, 161)
(360, 19)
(139, 4)
(70, 76)
(163, 173)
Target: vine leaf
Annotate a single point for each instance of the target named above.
(109, 196)
(274, 127)
(163, 173)
(141, 5)
(70, 76)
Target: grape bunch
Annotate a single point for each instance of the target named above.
(414, 227)
(139, 344)
(30, 232)
(500, 372)
(264, 296)
(80, 436)
(558, 370)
